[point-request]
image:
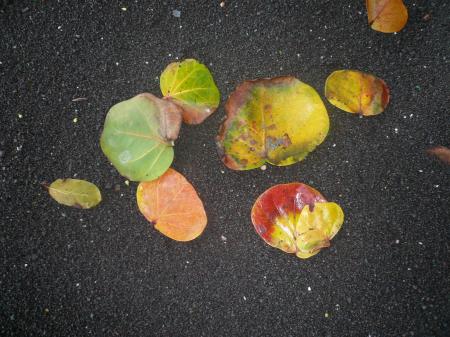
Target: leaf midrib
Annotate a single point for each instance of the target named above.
(68, 193)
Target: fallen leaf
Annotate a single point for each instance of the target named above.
(278, 120)
(138, 136)
(296, 218)
(75, 192)
(387, 16)
(441, 152)
(190, 85)
(173, 206)
(357, 92)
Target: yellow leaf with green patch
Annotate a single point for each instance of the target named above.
(357, 92)
(75, 192)
(278, 120)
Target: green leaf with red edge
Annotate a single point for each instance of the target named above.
(190, 85)
(296, 218)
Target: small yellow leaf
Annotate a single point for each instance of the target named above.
(75, 192)
(357, 92)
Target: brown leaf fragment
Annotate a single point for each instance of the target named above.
(440, 152)
(169, 117)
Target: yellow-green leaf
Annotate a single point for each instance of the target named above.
(190, 85)
(357, 92)
(75, 192)
(278, 120)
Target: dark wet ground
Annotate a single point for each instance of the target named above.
(106, 272)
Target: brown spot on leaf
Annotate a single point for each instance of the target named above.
(243, 136)
(286, 140)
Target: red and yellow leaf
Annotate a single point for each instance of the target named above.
(173, 206)
(387, 16)
(296, 218)
(357, 92)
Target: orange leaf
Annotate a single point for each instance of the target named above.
(387, 16)
(173, 206)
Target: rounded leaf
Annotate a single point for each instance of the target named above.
(173, 206)
(278, 120)
(387, 16)
(357, 92)
(296, 218)
(75, 192)
(190, 85)
(138, 136)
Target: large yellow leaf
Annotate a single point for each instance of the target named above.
(278, 120)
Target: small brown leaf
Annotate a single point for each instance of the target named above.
(441, 152)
